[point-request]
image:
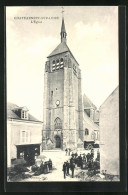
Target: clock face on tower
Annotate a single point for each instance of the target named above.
(57, 102)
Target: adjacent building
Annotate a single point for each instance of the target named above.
(24, 134)
(109, 134)
(90, 122)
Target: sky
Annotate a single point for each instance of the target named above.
(92, 36)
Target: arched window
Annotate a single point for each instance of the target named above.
(53, 65)
(58, 123)
(57, 64)
(86, 132)
(61, 61)
(53, 62)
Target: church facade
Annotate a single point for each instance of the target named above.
(63, 110)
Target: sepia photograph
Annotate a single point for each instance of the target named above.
(62, 75)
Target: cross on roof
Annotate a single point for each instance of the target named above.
(62, 12)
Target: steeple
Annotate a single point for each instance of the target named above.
(63, 31)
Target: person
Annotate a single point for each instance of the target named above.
(64, 169)
(83, 156)
(66, 150)
(45, 168)
(92, 153)
(42, 167)
(89, 165)
(72, 169)
(88, 157)
(67, 166)
(71, 160)
(72, 155)
(76, 155)
(80, 160)
(69, 151)
(50, 164)
(98, 155)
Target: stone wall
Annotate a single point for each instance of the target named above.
(109, 134)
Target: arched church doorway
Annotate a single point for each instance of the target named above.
(57, 142)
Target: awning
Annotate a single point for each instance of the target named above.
(28, 144)
(89, 141)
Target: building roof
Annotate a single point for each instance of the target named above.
(61, 48)
(117, 88)
(13, 115)
(87, 102)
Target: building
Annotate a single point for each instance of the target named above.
(24, 134)
(90, 122)
(65, 119)
(109, 134)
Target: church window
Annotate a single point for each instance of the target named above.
(86, 132)
(53, 65)
(61, 61)
(58, 123)
(53, 62)
(57, 62)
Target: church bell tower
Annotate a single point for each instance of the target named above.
(62, 109)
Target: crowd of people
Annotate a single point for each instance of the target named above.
(84, 161)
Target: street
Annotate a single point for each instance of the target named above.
(58, 157)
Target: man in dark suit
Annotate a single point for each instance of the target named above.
(64, 169)
(80, 159)
(72, 169)
(67, 166)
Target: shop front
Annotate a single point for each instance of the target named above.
(28, 152)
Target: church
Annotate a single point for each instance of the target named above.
(70, 120)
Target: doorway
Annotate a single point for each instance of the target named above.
(58, 142)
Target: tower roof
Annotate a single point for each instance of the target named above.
(61, 48)
(63, 26)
